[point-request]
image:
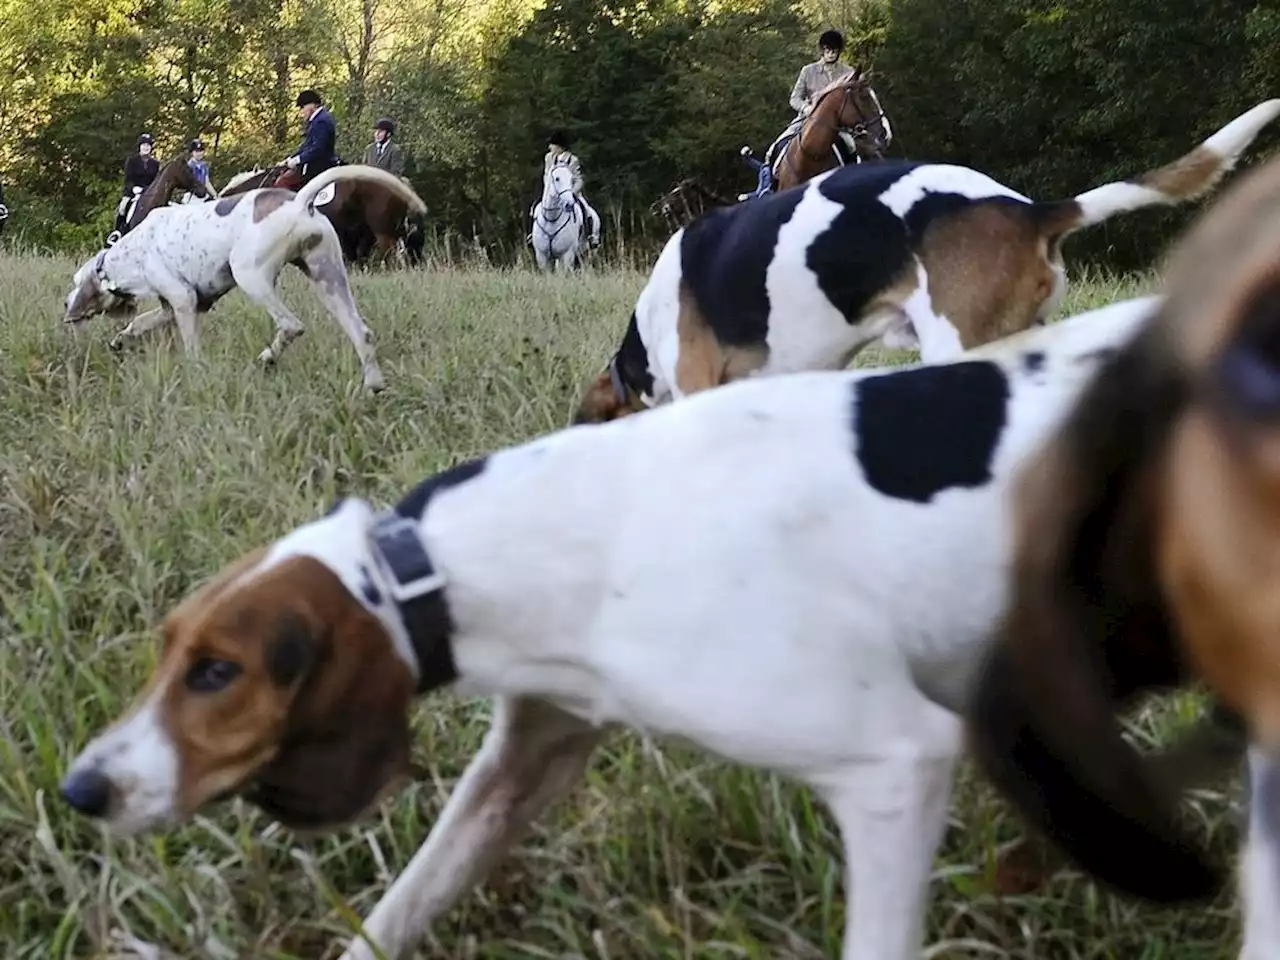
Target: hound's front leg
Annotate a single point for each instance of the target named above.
(181, 300)
(141, 324)
(892, 813)
(533, 754)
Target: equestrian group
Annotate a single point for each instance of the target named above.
(854, 579)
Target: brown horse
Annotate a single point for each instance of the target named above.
(685, 202)
(174, 175)
(846, 104)
(367, 216)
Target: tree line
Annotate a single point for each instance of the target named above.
(1050, 98)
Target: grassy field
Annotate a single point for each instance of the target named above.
(124, 480)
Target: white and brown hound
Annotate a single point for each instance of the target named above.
(924, 255)
(844, 547)
(1147, 554)
(189, 257)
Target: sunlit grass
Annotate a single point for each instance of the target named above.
(126, 479)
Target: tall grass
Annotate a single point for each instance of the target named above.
(126, 479)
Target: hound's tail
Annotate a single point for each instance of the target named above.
(1190, 176)
(358, 171)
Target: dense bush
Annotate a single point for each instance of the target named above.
(1051, 98)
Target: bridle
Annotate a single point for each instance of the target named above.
(859, 129)
(540, 222)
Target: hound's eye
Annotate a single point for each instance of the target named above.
(208, 675)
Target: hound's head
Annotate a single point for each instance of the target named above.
(93, 292)
(1148, 554)
(607, 397)
(278, 680)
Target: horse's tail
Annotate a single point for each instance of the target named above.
(366, 174)
(1187, 178)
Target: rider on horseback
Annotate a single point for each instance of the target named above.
(812, 80)
(558, 155)
(319, 149)
(382, 152)
(199, 165)
(139, 170)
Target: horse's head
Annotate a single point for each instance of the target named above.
(177, 174)
(556, 185)
(859, 111)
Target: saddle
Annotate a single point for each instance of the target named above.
(845, 151)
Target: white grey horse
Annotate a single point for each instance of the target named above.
(557, 222)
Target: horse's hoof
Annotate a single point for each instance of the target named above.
(267, 358)
(115, 345)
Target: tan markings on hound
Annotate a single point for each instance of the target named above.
(705, 362)
(1190, 175)
(600, 402)
(1220, 557)
(988, 271)
(1240, 237)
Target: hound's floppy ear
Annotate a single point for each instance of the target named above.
(347, 740)
(599, 402)
(1085, 631)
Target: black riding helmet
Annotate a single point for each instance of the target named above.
(308, 96)
(146, 138)
(832, 40)
(196, 144)
(387, 124)
(559, 138)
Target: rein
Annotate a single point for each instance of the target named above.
(542, 220)
(858, 130)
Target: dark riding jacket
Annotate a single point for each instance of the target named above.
(139, 171)
(319, 150)
(386, 155)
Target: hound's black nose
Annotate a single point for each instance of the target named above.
(89, 792)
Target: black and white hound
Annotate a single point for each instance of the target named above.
(926, 255)
(189, 257)
(843, 544)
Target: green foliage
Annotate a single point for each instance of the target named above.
(1053, 97)
(1048, 96)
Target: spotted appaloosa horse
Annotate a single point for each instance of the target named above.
(368, 217)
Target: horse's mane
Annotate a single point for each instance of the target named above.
(848, 80)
